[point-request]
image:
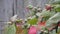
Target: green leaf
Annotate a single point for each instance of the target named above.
(25, 31)
(56, 2)
(57, 8)
(53, 19)
(47, 14)
(11, 29)
(33, 21)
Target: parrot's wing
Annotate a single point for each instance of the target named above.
(53, 19)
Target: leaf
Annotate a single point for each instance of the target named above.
(56, 2)
(53, 19)
(57, 8)
(47, 14)
(11, 29)
(33, 21)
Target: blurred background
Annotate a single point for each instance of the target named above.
(8, 8)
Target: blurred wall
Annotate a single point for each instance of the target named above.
(5, 13)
